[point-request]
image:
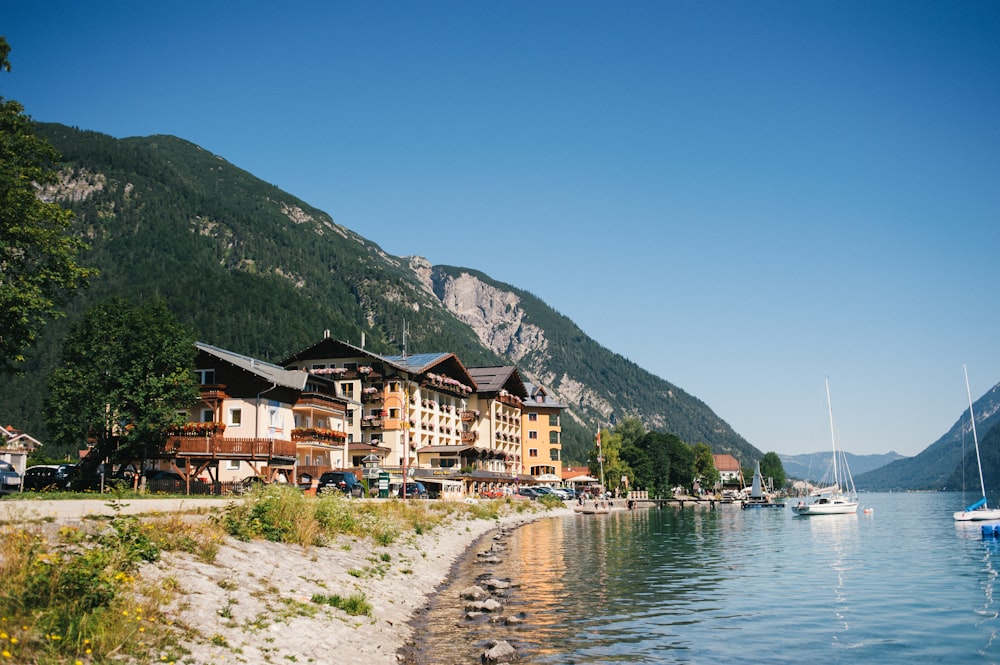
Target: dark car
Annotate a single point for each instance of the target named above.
(414, 490)
(10, 479)
(528, 492)
(344, 481)
(40, 478)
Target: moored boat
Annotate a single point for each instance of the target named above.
(833, 499)
(980, 510)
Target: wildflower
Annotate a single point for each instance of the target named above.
(5, 654)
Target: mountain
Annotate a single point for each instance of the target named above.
(258, 271)
(939, 465)
(813, 466)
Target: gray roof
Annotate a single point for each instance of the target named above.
(494, 379)
(539, 391)
(288, 378)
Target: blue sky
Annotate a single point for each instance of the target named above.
(741, 197)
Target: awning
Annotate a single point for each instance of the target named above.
(443, 449)
(581, 479)
(548, 478)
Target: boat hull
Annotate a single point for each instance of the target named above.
(978, 515)
(831, 508)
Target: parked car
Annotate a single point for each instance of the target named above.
(171, 482)
(345, 481)
(40, 478)
(564, 493)
(414, 490)
(528, 492)
(10, 479)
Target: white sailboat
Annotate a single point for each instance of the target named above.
(759, 496)
(834, 499)
(979, 511)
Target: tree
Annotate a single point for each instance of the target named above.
(38, 269)
(614, 466)
(125, 373)
(704, 466)
(771, 467)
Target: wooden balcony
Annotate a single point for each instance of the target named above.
(321, 401)
(219, 447)
(211, 391)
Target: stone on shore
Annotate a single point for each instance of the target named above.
(500, 651)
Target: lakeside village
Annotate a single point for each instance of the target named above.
(460, 432)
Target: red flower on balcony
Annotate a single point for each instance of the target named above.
(197, 429)
(318, 434)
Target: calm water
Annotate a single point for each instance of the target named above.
(901, 584)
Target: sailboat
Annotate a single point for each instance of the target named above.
(978, 511)
(834, 499)
(759, 497)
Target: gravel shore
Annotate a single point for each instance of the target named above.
(252, 603)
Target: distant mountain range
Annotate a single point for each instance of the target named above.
(815, 466)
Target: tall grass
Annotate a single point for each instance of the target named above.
(73, 596)
(283, 514)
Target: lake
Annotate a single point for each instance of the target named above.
(901, 583)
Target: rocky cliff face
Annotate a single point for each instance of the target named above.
(500, 322)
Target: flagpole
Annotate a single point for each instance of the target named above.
(600, 459)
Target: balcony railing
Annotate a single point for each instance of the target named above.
(219, 447)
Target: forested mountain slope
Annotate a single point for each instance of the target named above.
(255, 270)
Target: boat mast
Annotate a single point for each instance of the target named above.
(833, 437)
(972, 417)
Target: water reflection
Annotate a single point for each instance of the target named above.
(681, 586)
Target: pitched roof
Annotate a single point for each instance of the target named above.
(418, 362)
(288, 378)
(539, 396)
(725, 462)
(495, 379)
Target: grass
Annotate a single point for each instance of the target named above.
(74, 594)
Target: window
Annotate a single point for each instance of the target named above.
(318, 366)
(394, 386)
(347, 389)
(207, 415)
(533, 434)
(232, 465)
(554, 419)
(394, 413)
(554, 454)
(553, 437)
(235, 417)
(205, 376)
(532, 452)
(532, 417)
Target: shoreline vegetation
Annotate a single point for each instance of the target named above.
(273, 577)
